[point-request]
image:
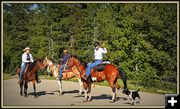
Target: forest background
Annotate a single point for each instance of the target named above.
(141, 38)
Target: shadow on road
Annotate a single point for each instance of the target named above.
(71, 91)
(41, 93)
(102, 96)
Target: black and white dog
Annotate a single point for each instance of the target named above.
(133, 96)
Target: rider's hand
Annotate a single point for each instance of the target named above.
(103, 45)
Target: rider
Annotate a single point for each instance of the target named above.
(26, 58)
(98, 56)
(66, 56)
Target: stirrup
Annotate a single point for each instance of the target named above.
(85, 77)
(20, 81)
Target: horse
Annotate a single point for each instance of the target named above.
(68, 74)
(110, 73)
(30, 75)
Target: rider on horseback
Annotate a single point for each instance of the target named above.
(98, 56)
(26, 58)
(66, 56)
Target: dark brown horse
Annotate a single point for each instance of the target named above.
(30, 75)
(109, 73)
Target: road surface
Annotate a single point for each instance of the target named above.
(49, 96)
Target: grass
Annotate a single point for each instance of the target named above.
(8, 76)
(131, 84)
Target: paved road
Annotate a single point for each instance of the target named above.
(48, 96)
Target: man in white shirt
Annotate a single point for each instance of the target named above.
(98, 56)
(26, 58)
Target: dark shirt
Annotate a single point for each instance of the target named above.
(28, 57)
(65, 58)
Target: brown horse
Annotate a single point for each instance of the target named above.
(68, 74)
(109, 73)
(30, 75)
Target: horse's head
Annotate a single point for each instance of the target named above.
(47, 63)
(39, 64)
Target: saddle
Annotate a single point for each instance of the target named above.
(100, 67)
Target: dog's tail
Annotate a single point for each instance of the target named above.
(138, 90)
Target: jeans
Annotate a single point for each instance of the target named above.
(88, 71)
(61, 70)
(22, 70)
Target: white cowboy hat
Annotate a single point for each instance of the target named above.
(27, 48)
(65, 51)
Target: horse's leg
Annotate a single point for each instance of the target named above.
(117, 87)
(60, 87)
(81, 86)
(25, 88)
(21, 88)
(114, 92)
(89, 92)
(34, 86)
(85, 91)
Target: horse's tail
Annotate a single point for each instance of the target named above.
(124, 79)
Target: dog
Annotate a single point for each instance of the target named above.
(133, 96)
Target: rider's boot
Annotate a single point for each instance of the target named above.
(20, 81)
(85, 77)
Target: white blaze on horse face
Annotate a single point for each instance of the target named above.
(94, 78)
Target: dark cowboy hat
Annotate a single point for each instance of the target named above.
(96, 43)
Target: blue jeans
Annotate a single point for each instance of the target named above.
(88, 71)
(61, 70)
(22, 70)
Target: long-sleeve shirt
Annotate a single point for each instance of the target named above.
(98, 54)
(27, 58)
(65, 58)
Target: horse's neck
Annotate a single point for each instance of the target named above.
(78, 67)
(51, 65)
(31, 66)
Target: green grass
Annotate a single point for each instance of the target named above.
(8, 76)
(132, 85)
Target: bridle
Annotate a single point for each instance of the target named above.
(77, 67)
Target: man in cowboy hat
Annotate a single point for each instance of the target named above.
(26, 58)
(66, 56)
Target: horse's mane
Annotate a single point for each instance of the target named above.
(80, 60)
(32, 65)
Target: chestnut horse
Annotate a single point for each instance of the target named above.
(29, 75)
(68, 74)
(109, 73)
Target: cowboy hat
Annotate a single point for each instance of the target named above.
(65, 51)
(27, 48)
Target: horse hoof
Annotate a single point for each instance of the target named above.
(112, 101)
(36, 96)
(89, 100)
(60, 93)
(85, 100)
(25, 96)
